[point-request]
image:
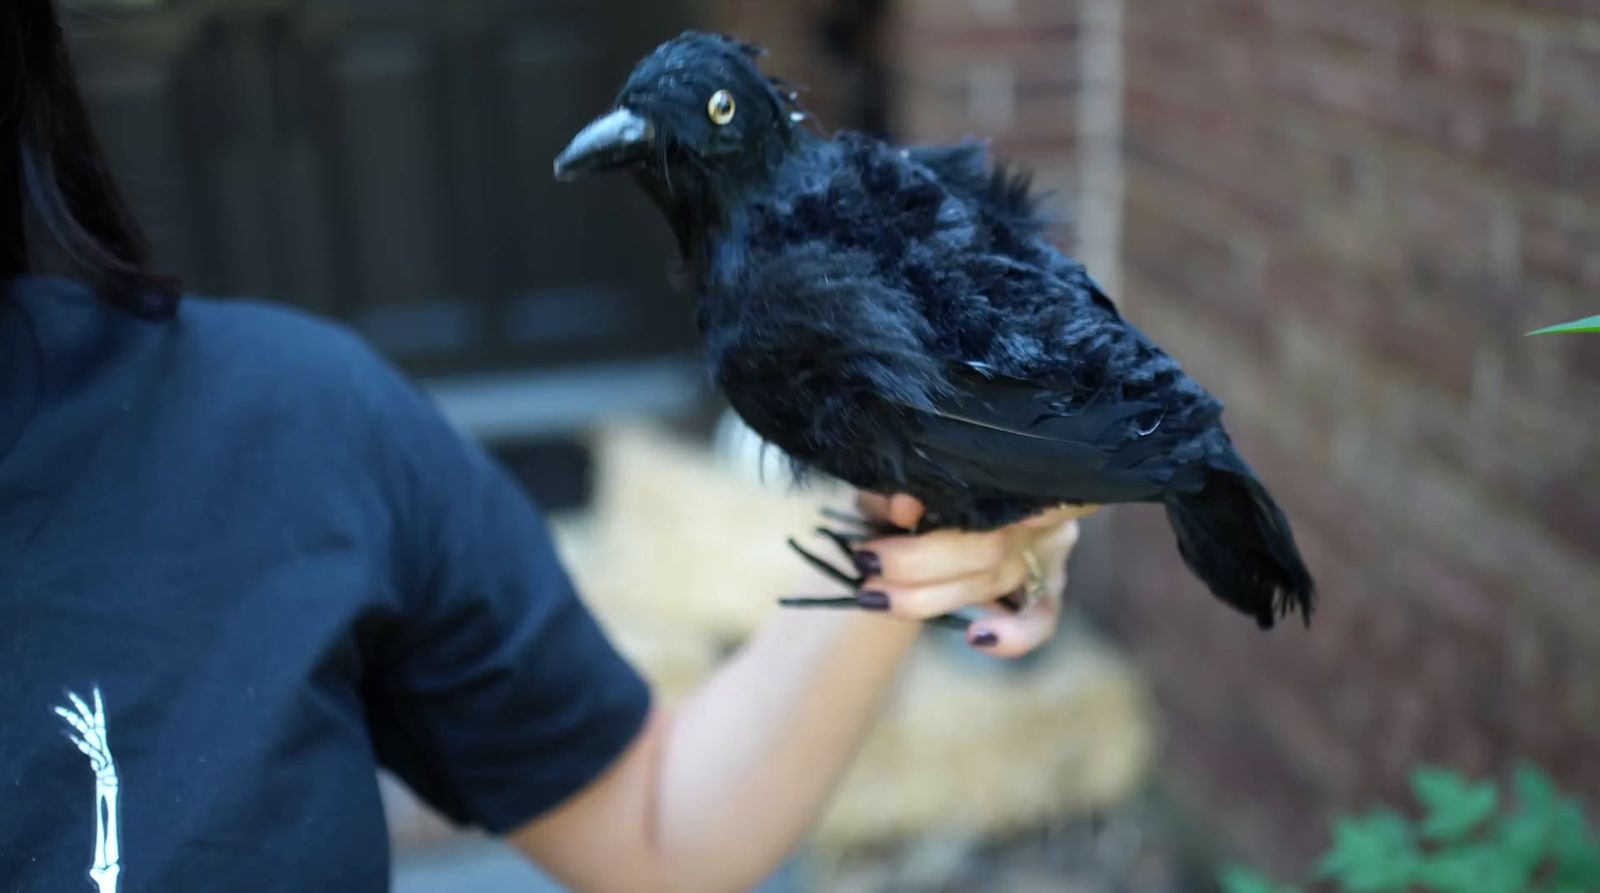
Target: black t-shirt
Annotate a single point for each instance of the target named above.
(243, 562)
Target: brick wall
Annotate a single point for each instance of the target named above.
(1341, 217)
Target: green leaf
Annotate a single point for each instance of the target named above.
(1551, 831)
(1588, 324)
(1525, 840)
(1535, 791)
(1455, 806)
(1474, 869)
(1544, 843)
(1239, 880)
(1375, 853)
(1577, 854)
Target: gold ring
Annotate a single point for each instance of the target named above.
(1037, 589)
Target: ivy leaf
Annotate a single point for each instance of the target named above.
(1238, 880)
(1375, 853)
(1455, 807)
(1577, 854)
(1536, 793)
(1588, 324)
(1474, 869)
(1525, 840)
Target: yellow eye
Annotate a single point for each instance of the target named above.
(720, 108)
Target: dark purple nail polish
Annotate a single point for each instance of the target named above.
(985, 639)
(872, 600)
(869, 564)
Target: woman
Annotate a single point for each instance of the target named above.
(243, 563)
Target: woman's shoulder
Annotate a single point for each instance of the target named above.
(221, 336)
(236, 360)
(271, 335)
(258, 345)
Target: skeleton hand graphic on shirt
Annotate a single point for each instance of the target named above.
(90, 727)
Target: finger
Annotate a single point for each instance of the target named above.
(936, 599)
(83, 709)
(905, 511)
(1013, 635)
(1055, 546)
(82, 745)
(933, 557)
(872, 506)
(1052, 516)
(73, 720)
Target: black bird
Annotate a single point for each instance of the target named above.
(895, 318)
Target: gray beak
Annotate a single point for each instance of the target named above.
(616, 139)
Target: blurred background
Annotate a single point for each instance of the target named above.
(1341, 217)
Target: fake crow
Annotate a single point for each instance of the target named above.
(894, 317)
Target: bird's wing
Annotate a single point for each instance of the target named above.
(1018, 436)
(832, 362)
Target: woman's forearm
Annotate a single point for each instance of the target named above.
(713, 795)
(749, 760)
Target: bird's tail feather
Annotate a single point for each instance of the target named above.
(1238, 542)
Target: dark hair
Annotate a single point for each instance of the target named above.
(55, 184)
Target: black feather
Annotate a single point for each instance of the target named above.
(894, 317)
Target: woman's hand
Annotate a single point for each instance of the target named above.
(918, 577)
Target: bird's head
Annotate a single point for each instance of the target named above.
(696, 122)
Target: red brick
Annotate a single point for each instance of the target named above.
(981, 15)
(1564, 160)
(1218, 15)
(1583, 357)
(1566, 8)
(969, 36)
(1161, 114)
(1192, 263)
(938, 67)
(1555, 155)
(1448, 592)
(1444, 218)
(1464, 58)
(1570, 82)
(1534, 443)
(1572, 513)
(1035, 62)
(1371, 313)
(1564, 249)
(1371, 32)
(1222, 64)
(946, 116)
(1433, 426)
(1330, 83)
(1236, 165)
(1210, 194)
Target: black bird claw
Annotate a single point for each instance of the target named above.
(820, 601)
(845, 541)
(944, 621)
(825, 567)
